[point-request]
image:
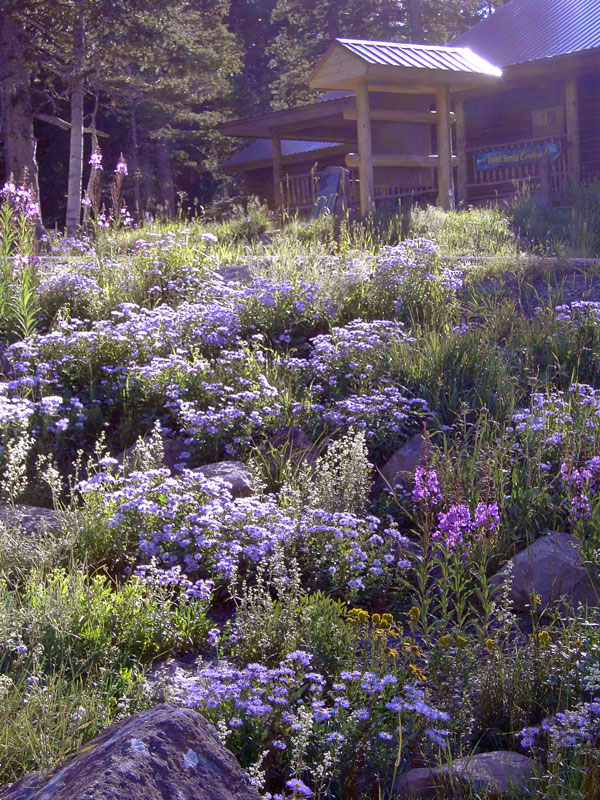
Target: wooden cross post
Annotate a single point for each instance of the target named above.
(277, 161)
(572, 114)
(461, 154)
(442, 107)
(365, 149)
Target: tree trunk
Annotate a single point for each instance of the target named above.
(17, 119)
(134, 163)
(93, 172)
(415, 21)
(76, 146)
(165, 178)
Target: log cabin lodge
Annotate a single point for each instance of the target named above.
(513, 103)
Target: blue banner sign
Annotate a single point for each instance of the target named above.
(515, 156)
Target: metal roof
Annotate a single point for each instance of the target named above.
(420, 56)
(528, 30)
(262, 150)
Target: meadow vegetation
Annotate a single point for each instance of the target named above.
(347, 635)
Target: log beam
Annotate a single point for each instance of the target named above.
(461, 153)
(573, 135)
(397, 115)
(396, 160)
(277, 162)
(365, 149)
(442, 103)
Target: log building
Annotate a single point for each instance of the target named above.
(514, 102)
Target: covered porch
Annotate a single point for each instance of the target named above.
(427, 124)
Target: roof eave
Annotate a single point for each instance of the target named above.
(262, 126)
(293, 158)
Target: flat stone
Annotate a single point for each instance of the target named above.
(401, 466)
(419, 783)
(167, 752)
(235, 273)
(31, 519)
(235, 473)
(496, 774)
(552, 567)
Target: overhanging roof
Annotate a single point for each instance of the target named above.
(260, 153)
(406, 67)
(330, 105)
(530, 30)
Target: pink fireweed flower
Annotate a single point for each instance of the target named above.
(121, 166)
(96, 159)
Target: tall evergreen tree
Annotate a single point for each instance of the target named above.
(306, 28)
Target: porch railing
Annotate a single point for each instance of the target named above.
(299, 193)
(508, 180)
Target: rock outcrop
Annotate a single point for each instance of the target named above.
(235, 473)
(167, 752)
(552, 568)
(30, 519)
(497, 774)
(402, 464)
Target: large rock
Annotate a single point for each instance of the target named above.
(552, 567)
(402, 464)
(235, 473)
(496, 774)
(31, 519)
(174, 451)
(167, 753)
(293, 444)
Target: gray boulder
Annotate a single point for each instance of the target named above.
(402, 464)
(167, 752)
(30, 519)
(552, 567)
(496, 774)
(235, 473)
(292, 444)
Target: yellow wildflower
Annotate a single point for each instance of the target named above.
(419, 674)
(544, 638)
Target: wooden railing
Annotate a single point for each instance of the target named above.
(507, 180)
(299, 193)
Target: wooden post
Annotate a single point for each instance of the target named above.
(442, 106)
(365, 149)
(277, 159)
(461, 153)
(545, 181)
(572, 113)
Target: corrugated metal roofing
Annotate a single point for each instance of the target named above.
(263, 149)
(420, 56)
(333, 95)
(527, 30)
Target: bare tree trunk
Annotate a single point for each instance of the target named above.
(165, 178)
(93, 171)
(76, 146)
(17, 119)
(415, 21)
(134, 162)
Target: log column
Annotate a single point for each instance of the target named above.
(365, 149)
(573, 136)
(277, 161)
(461, 154)
(442, 107)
